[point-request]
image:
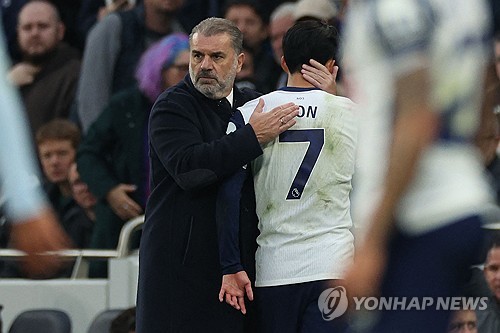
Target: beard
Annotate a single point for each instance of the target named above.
(38, 58)
(219, 87)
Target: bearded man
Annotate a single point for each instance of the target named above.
(48, 74)
(190, 154)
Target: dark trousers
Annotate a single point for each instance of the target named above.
(294, 308)
(434, 264)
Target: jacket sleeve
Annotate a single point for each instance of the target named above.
(193, 148)
(96, 77)
(93, 152)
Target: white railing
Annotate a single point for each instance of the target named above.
(80, 297)
(83, 256)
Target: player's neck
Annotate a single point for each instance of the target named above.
(296, 80)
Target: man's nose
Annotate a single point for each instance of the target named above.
(35, 30)
(53, 159)
(207, 63)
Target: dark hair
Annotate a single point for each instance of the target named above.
(309, 39)
(59, 129)
(494, 240)
(255, 5)
(213, 26)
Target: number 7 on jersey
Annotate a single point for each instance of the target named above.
(316, 139)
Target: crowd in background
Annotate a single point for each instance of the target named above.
(89, 71)
(95, 69)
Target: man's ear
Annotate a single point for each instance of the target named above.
(329, 65)
(61, 29)
(284, 66)
(241, 59)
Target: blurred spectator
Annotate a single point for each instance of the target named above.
(489, 318)
(282, 19)
(113, 49)
(48, 73)
(124, 322)
(113, 157)
(463, 321)
(246, 77)
(80, 192)
(251, 19)
(195, 11)
(57, 142)
(9, 10)
(92, 11)
(323, 10)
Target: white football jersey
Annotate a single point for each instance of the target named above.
(302, 186)
(385, 39)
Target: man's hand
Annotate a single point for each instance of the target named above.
(121, 203)
(37, 235)
(320, 77)
(268, 125)
(234, 287)
(22, 74)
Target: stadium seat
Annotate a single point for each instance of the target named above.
(102, 321)
(41, 321)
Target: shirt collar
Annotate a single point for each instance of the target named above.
(230, 97)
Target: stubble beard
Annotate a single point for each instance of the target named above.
(38, 58)
(218, 89)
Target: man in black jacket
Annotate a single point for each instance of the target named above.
(190, 154)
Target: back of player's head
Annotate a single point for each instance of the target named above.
(309, 39)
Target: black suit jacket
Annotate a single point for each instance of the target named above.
(190, 154)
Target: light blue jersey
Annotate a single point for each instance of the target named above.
(18, 172)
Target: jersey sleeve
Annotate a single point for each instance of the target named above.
(247, 109)
(19, 173)
(228, 220)
(404, 29)
(227, 213)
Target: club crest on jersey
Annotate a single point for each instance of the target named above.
(296, 193)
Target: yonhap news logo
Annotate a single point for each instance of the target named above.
(333, 303)
(420, 303)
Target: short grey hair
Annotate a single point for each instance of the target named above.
(215, 26)
(283, 10)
